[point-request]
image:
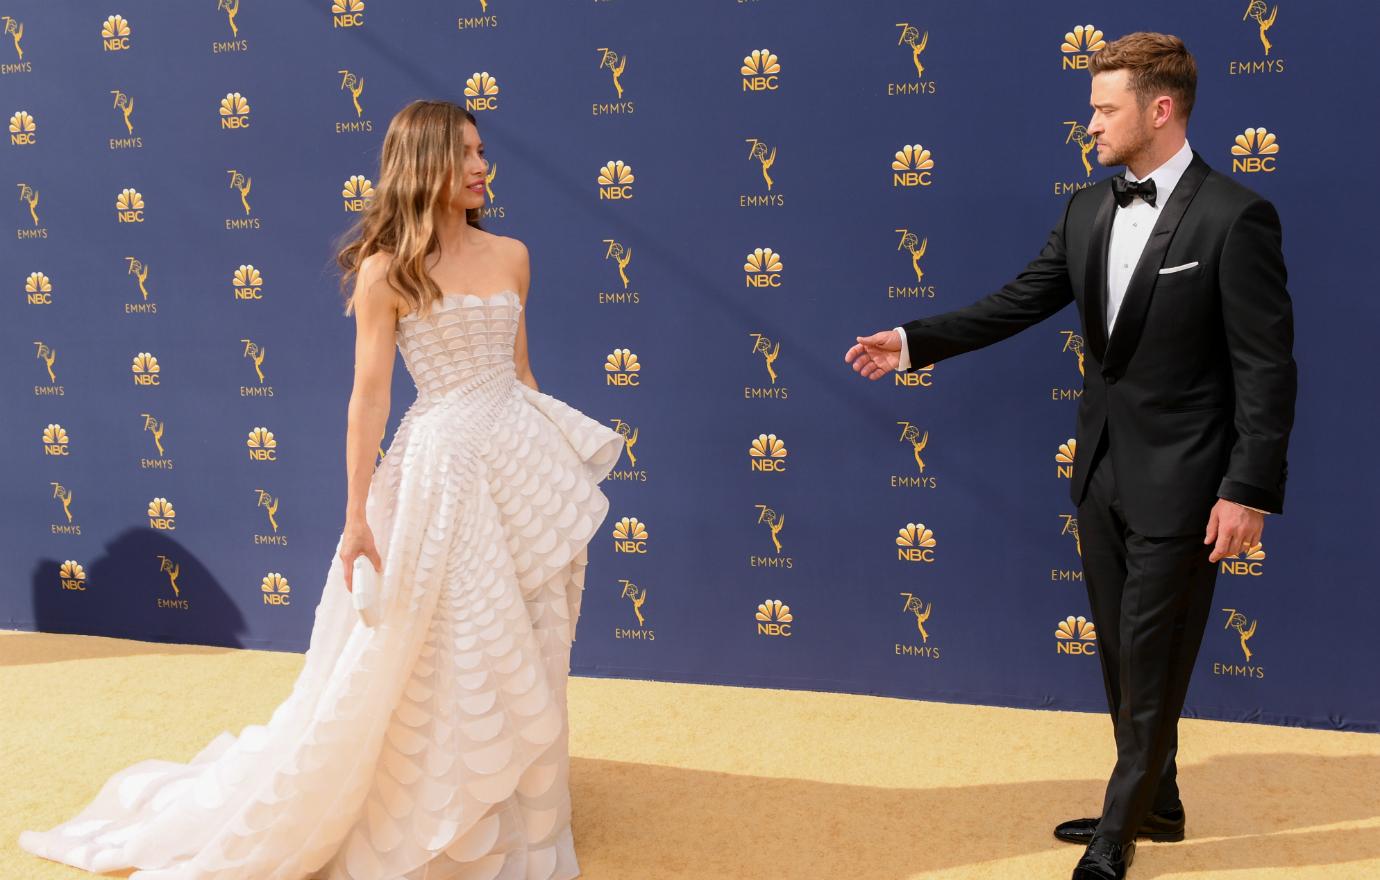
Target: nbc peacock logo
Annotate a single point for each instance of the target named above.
(1247, 563)
(129, 206)
(774, 618)
(1076, 636)
(1254, 151)
(637, 596)
(55, 440)
(263, 446)
(761, 71)
(763, 268)
(481, 92)
(247, 283)
(38, 289)
(1079, 45)
(630, 536)
(234, 112)
(915, 542)
(1063, 459)
(146, 369)
(162, 516)
(275, 589)
(23, 129)
(72, 576)
(767, 454)
(912, 166)
(622, 369)
(615, 181)
(115, 34)
(357, 192)
(347, 13)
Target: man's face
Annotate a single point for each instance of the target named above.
(1120, 124)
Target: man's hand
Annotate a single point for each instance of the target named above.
(876, 355)
(1233, 528)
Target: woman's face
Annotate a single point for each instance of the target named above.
(473, 168)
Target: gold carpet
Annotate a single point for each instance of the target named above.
(712, 783)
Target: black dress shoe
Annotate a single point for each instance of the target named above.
(1161, 826)
(1105, 859)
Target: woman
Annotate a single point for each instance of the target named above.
(433, 745)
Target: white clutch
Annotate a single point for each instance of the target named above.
(367, 584)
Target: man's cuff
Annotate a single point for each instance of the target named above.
(904, 363)
(1248, 507)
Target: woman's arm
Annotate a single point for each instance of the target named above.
(375, 306)
(522, 270)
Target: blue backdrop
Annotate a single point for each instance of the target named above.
(730, 192)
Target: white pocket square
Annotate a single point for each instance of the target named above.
(1172, 269)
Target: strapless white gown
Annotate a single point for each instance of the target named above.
(434, 746)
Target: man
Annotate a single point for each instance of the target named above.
(1187, 405)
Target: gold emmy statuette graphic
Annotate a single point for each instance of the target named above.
(270, 504)
(616, 65)
(629, 435)
(763, 267)
(355, 86)
(1078, 46)
(1074, 343)
(125, 104)
(30, 195)
(1238, 621)
(1078, 134)
(774, 618)
(48, 355)
(1071, 528)
(63, 494)
(917, 606)
(156, 428)
(255, 352)
(763, 346)
(489, 180)
(140, 271)
(758, 150)
(774, 521)
(15, 29)
(615, 181)
(910, 36)
(761, 71)
(638, 600)
(232, 9)
(620, 255)
(173, 570)
(1076, 635)
(241, 183)
(1255, 11)
(911, 434)
(912, 243)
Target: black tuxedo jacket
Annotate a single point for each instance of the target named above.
(1196, 384)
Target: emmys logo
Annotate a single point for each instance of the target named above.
(1249, 563)
(140, 272)
(1259, 17)
(29, 196)
(481, 91)
(22, 128)
(275, 589)
(48, 355)
(1063, 459)
(912, 166)
(918, 441)
(162, 517)
(629, 435)
(357, 192)
(71, 576)
(630, 536)
(241, 183)
(1243, 628)
(263, 446)
(915, 42)
(915, 247)
(1073, 344)
(620, 256)
(1070, 528)
(492, 210)
(38, 289)
(765, 157)
(761, 71)
(767, 454)
(915, 605)
(1078, 136)
(774, 618)
(156, 428)
(55, 440)
(757, 151)
(1078, 46)
(354, 86)
(1076, 636)
(622, 369)
(129, 206)
(1254, 151)
(247, 283)
(115, 34)
(146, 369)
(763, 268)
(231, 8)
(125, 105)
(915, 543)
(347, 14)
(255, 353)
(14, 29)
(269, 504)
(234, 113)
(774, 522)
(769, 351)
(615, 64)
(1256, 12)
(482, 21)
(615, 181)
(172, 570)
(638, 599)
(64, 496)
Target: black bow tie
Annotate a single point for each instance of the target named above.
(1125, 191)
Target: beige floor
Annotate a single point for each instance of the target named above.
(714, 783)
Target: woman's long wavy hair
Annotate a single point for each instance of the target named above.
(422, 146)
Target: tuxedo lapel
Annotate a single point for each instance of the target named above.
(1130, 318)
(1095, 282)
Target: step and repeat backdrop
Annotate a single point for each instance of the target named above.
(718, 197)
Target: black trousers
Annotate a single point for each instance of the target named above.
(1151, 598)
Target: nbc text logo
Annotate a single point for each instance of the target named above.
(481, 92)
(129, 206)
(275, 589)
(767, 454)
(55, 440)
(146, 369)
(774, 618)
(1255, 150)
(38, 289)
(912, 166)
(622, 369)
(115, 34)
(263, 446)
(1076, 635)
(630, 536)
(761, 71)
(763, 268)
(247, 283)
(22, 127)
(162, 516)
(357, 191)
(915, 543)
(71, 575)
(347, 14)
(1078, 46)
(1063, 459)
(234, 112)
(615, 181)
(1248, 563)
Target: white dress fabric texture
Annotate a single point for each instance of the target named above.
(435, 745)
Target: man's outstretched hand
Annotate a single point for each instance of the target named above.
(876, 355)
